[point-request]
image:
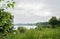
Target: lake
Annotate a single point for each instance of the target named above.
(25, 26)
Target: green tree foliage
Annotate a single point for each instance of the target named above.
(21, 29)
(6, 17)
(53, 21)
(5, 20)
(59, 22)
(5, 4)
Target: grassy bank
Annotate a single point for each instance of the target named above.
(44, 33)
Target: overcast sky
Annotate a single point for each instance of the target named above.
(32, 11)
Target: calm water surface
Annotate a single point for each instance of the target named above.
(25, 26)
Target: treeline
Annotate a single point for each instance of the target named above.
(53, 22)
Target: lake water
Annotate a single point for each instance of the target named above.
(25, 26)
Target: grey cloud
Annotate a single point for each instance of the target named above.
(22, 18)
(29, 1)
(54, 5)
(26, 15)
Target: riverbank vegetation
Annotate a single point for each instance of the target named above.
(40, 32)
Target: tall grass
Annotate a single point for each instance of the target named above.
(45, 33)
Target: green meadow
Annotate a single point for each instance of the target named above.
(43, 33)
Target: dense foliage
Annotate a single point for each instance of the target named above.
(54, 22)
(21, 29)
(5, 20)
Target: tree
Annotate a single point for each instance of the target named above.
(5, 4)
(5, 16)
(59, 22)
(53, 21)
(5, 20)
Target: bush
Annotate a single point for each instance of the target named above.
(21, 29)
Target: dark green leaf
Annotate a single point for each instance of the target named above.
(8, 5)
(12, 5)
